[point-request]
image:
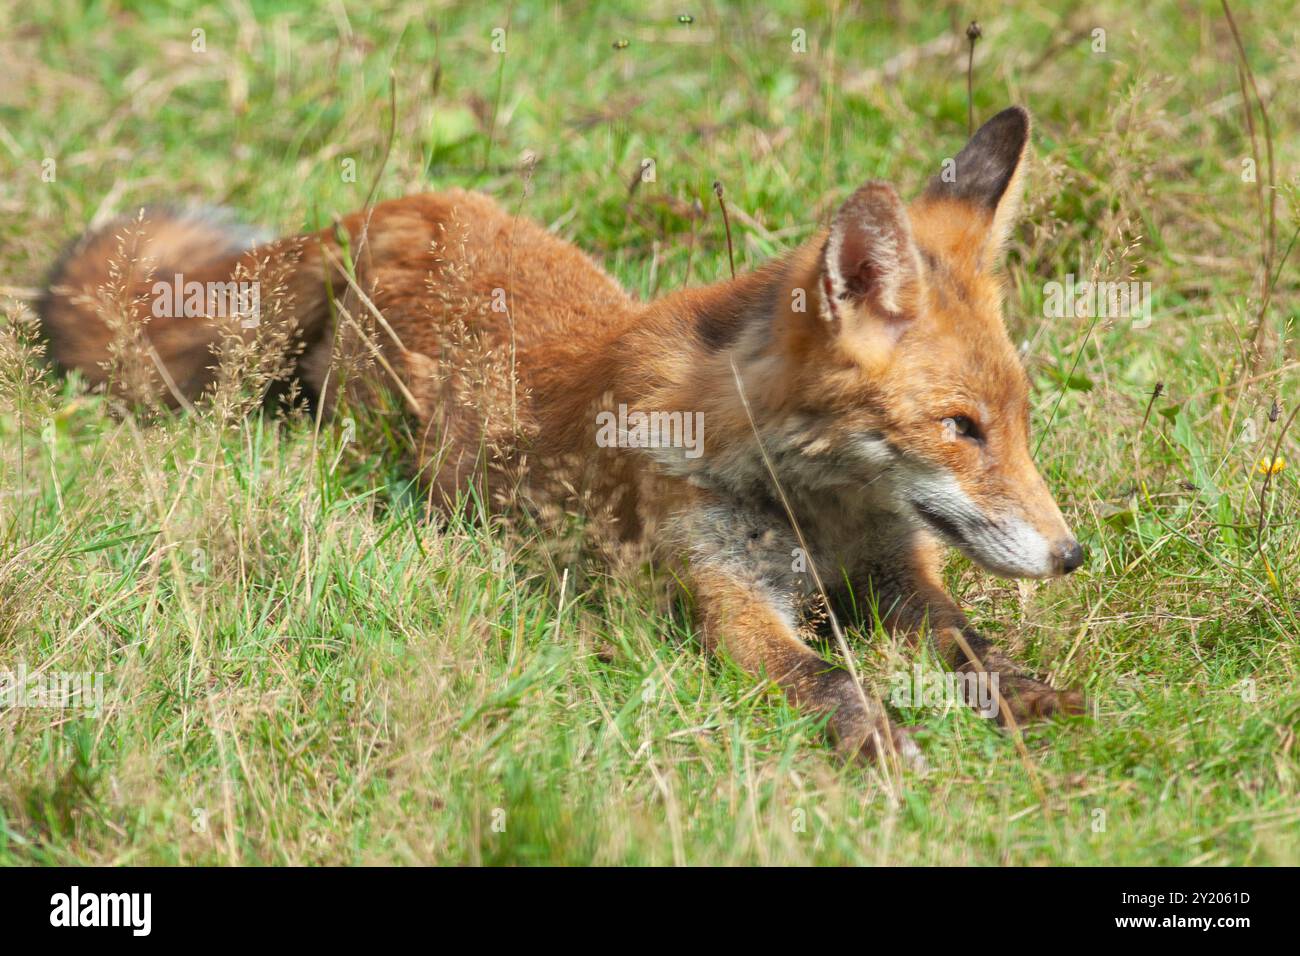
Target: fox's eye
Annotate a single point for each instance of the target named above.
(963, 426)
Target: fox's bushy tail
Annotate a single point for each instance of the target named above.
(144, 303)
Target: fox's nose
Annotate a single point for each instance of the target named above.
(1070, 554)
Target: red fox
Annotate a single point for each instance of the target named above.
(834, 419)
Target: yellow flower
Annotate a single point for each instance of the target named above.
(1270, 467)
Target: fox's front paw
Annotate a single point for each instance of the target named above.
(871, 741)
(859, 729)
(1028, 699)
(876, 749)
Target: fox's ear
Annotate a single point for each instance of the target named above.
(870, 267)
(986, 179)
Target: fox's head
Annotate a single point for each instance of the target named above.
(900, 371)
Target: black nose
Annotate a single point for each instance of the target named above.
(1071, 556)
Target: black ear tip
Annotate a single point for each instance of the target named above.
(1012, 123)
(986, 165)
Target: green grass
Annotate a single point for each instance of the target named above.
(301, 668)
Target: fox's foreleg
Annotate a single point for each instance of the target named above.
(748, 608)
